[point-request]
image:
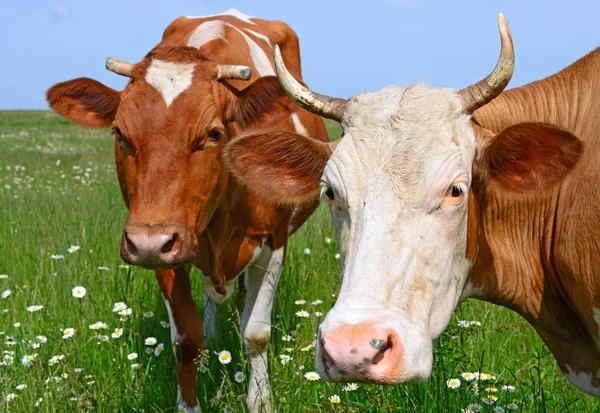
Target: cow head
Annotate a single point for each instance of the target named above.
(402, 184)
(170, 125)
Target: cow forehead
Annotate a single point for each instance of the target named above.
(404, 135)
(170, 79)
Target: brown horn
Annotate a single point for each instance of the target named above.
(233, 72)
(119, 67)
(482, 92)
(326, 106)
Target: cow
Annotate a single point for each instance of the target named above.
(209, 80)
(437, 198)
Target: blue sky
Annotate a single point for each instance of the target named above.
(346, 46)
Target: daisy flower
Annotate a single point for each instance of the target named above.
(316, 302)
(287, 337)
(468, 376)
(148, 314)
(98, 325)
(474, 408)
(239, 376)
(512, 406)
(491, 389)
(117, 333)
(3, 276)
(79, 291)
(300, 302)
(77, 369)
(149, 350)
(73, 248)
(17, 325)
(335, 399)
(318, 314)
(10, 397)
(159, 349)
(164, 324)
(21, 387)
(350, 387)
(509, 388)
(41, 339)
(104, 268)
(118, 307)
(453, 383)
(498, 409)
(6, 293)
(125, 266)
(491, 399)
(57, 257)
(307, 251)
(285, 358)
(135, 366)
(327, 240)
(150, 341)
(132, 356)
(307, 348)
(224, 356)
(302, 313)
(337, 256)
(312, 376)
(28, 359)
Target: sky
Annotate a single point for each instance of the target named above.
(347, 47)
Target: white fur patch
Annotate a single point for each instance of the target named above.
(174, 333)
(231, 12)
(261, 62)
(298, 124)
(583, 381)
(259, 35)
(183, 405)
(170, 78)
(207, 32)
(209, 289)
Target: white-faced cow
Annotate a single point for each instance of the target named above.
(434, 203)
(208, 80)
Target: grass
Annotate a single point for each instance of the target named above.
(58, 188)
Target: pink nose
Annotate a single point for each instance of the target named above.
(151, 247)
(361, 352)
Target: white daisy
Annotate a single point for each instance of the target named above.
(6, 293)
(239, 376)
(224, 356)
(312, 376)
(68, 333)
(74, 248)
(132, 356)
(150, 341)
(79, 292)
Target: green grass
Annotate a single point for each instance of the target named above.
(58, 188)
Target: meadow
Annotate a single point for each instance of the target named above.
(107, 348)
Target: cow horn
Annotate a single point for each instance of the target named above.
(482, 92)
(233, 72)
(326, 106)
(119, 67)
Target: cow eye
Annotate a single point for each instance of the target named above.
(456, 191)
(330, 194)
(215, 135)
(119, 135)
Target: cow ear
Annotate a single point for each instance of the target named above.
(283, 167)
(530, 156)
(261, 103)
(85, 101)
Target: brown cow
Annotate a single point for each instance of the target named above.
(185, 101)
(434, 205)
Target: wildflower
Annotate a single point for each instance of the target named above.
(6, 293)
(17, 325)
(307, 251)
(150, 341)
(117, 333)
(509, 388)
(453, 383)
(3, 276)
(299, 302)
(287, 337)
(57, 257)
(285, 359)
(40, 400)
(475, 388)
(474, 408)
(337, 256)
(318, 314)
(77, 369)
(149, 350)
(118, 307)
(491, 389)
(476, 323)
(73, 248)
(224, 356)
(327, 240)
(55, 359)
(335, 399)
(125, 266)
(135, 366)
(491, 399)
(10, 397)
(316, 302)
(498, 409)
(202, 368)
(78, 292)
(159, 349)
(148, 314)
(41, 339)
(307, 348)
(239, 376)
(164, 324)
(104, 268)
(98, 325)
(463, 324)
(468, 376)
(512, 406)
(312, 376)
(350, 387)
(302, 313)
(132, 356)
(28, 359)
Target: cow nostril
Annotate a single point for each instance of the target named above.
(130, 246)
(384, 347)
(169, 245)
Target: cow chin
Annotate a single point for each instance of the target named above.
(373, 351)
(157, 246)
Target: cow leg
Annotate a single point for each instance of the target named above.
(186, 332)
(210, 320)
(261, 283)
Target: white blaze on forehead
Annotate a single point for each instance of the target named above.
(298, 124)
(583, 381)
(169, 78)
(207, 32)
(231, 12)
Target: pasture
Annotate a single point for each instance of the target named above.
(61, 217)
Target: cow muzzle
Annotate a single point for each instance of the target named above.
(156, 246)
